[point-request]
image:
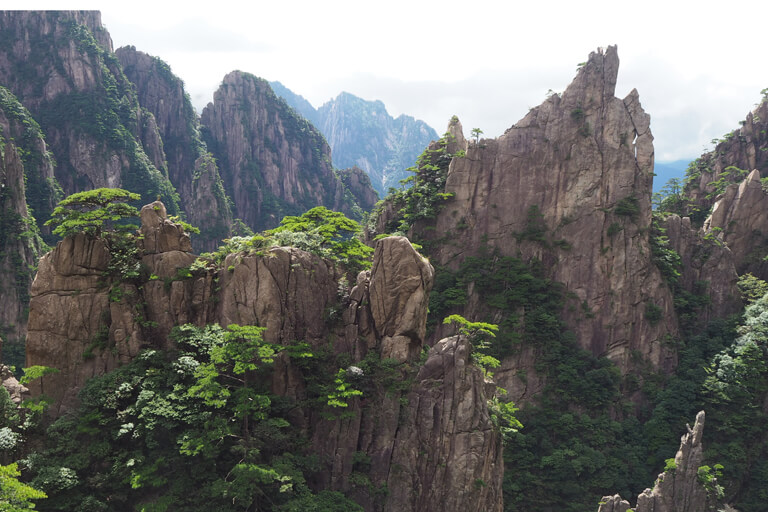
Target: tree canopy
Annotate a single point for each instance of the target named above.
(92, 211)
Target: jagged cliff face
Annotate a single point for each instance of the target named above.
(23, 159)
(362, 133)
(744, 148)
(273, 162)
(739, 221)
(358, 184)
(708, 268)
(570, 185)
(60, 66)
(429, 443)
(679, 489)
(191, 169)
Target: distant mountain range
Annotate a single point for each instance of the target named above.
(362, 133)
(665, 171)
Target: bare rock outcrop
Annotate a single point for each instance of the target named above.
(273, 161)
(447, 449)
(739, 220)
(16, 391)
(581, 164)
(743, 148)
(71, 316)
(399, 288)
(20, 245)
(191, 169)
(433, 438)
(706, 268)
(60, 66)
(678, 489)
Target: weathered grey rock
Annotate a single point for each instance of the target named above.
(191, 169)
(447, 451)
(613, 504)
(678, 489)
(435, 437)
(707, 267)
(159, 234)
(740, 219)
(743, 148)
(19, 244)
(53, 69)
(286, 290)
(73, 326)
(16, 391)
(583, 160)
(401, 280)
(272, 161)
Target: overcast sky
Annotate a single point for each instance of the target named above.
(698, 69)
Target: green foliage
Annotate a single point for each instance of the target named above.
(652, 313)
(16, 496)
(671, 198)
(729, 176)
(628, 207)
(535, 229)
(93, 210)
(614, 229)
(342, 391)
(708, 476)
(196, 428)
(515, 290)
(663, 256)
(36, 372)
(426, 195)
(476, 133)
(326, 233)
(41, 193)
(479, 335)
(752, 288)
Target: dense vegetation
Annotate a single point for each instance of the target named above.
(192, 429)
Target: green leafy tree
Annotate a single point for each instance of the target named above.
(16, 496)
(326, 233)
(93, 211)
(476, 133)
(671, 199)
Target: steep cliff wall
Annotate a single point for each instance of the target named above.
(744, 148)
(362, 133)
(430, 440)
(570, 185)
(739, 220)
(273, 162)
(60, 66)
(190, 168)
(26, 178)
(708, 268)
(680, 488)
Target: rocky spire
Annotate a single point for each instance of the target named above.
(680, 487)
(581, 163)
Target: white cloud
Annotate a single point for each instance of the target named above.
(698, 70)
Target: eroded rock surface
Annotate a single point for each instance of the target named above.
(25, 166)
(582, 162)
(191, 169)
(273, 162)
(434, 436)
(739, 219)
(678, 489)
(706, 268)
(59, 64)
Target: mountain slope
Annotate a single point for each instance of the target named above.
(361, 133)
